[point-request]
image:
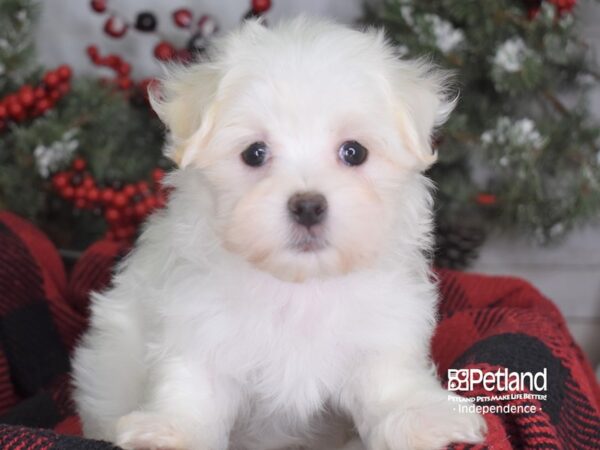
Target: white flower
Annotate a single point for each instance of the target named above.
(585, 79)
(487, 137)
(402, 50)
(22, 16)
(51, 158)
(446, 36)
(557, 229)
(407, 14)
(520, 133)
(524, 133)
(511, 54)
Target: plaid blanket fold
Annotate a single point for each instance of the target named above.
(487, 324)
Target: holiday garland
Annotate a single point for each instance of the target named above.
(123, 206)
(33, 101)
(514, 156)
(82, 157)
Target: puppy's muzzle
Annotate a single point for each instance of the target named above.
(307, 208)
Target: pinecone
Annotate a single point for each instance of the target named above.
(457, 246)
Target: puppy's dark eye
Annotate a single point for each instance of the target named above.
(352, 153)
(255, 155)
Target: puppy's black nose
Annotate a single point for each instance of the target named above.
(308, 208)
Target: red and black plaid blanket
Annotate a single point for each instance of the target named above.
(486, 323)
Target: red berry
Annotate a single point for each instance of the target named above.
(129, 212)
(88, 182)
(112, 215)
(125, 83)
(161, 200)
(80, 203)
(51, 79)
(93, 52)
(80, 192)
(141, 210)
(119, 200)
(182, 17)
(486, 199)
(43, 105)
(107, 195)
(54, 95)
(64, 88)
(261, 6)
(15, 109)
(60, 180)
(158, 174)
(113, 61)
(99, 5)
(27, 98)
(68, 192)
(115, 27)
(121, 233)
(142, 187)
(11, 98)
(164, 51)
(39, 93)
(129, 190)
(25, 88)
(79, 164)
(3, 111)
(93, 195)
(150, 203)
(124, 69)
(64, 72)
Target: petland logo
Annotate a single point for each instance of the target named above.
(501, 380)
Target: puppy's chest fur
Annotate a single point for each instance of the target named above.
(289, 349)
(294, 359)
(284, 347)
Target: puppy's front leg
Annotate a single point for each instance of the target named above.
(185, 408)
(397, 405)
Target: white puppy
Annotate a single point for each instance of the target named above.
(283, 297)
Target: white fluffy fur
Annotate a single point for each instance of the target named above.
(218, 333)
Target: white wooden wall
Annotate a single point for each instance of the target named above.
(569, 273)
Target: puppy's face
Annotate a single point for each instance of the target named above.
(304, 187)
(305, 145)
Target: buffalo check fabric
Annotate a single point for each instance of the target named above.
(486, 324)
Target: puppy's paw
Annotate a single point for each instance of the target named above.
(144, 431)
(437, 429)
(428, 427)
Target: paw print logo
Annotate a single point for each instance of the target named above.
(458, 379)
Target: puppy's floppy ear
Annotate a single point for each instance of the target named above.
(185, 102)
(422, 101)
